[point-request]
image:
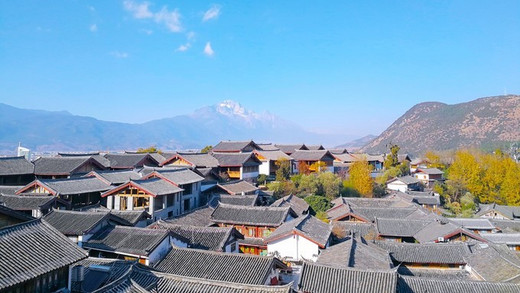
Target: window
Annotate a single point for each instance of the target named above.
(250, 232)
(233, 246)
(170, 200)
(188, 188)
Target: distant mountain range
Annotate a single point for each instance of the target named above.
(357, 143)
(483, 123)
(43, 131)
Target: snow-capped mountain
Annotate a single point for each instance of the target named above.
(227, 120)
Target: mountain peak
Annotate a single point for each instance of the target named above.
(232, 108)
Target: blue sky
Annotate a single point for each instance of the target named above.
(349, 67)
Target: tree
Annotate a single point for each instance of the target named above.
(360, 178)
(262, 178)
(151, 149)
(303, 168)
(317, 203)
(392, 159)
(308, 184)
(284, 169)
(330, 185)
(206, 149)
(465, 174)
(434, 160)
(319, 166)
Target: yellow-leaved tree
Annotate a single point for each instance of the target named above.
(465, 173)
(360, 178)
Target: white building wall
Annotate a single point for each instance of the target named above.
(285, 247)
(399, 186)
(294, 247)
(265, 168)
(160, 252)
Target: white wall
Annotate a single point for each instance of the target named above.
(294, 247)
(396, 185)
(160, 252)
(265, 168)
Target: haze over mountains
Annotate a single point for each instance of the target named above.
(61, 131)
(483, 123)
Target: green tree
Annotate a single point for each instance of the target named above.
(330, 185)
(151, 149)
(206, 149)
(317, 203)
(262, 178)
(392, 159)
(283, 172)
(309, 184)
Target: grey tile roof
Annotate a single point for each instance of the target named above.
(239, 200)
(356, 228)
(316, 155)
(27, 202)
(9, 189)
(253, 241)
(198, 217)
(502, 238)
(508, 226)
(10, 213)
(75, 223)
(196, 159)
(436, 273)
(399, 227)
(207, 238)
(153, 186)
(473, 224)
(405, 179)
(236, 159)
(129, 161)
(137, 241)
(291, 148)
(140, 279)
(510, 212)
(94, 155)
(74, 185)
(31, 249)
(173, 283)
(338, 151)
(258, 216)
(494, 263)
(372, 202)
(62, 165)
(94, 279)
(220, 266)
(415, 284)
(116, 177)
(355, 253)
(315, 147)
(238, 187)
(369, 213)
(178, 176)
(436, 229)
(128, 218)
(273, 155)
(324, 279)
(430, 171)
(234, 146)
(268, 147)
(306, 226)
(436, 253)
(15, 166)
(297, 204)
